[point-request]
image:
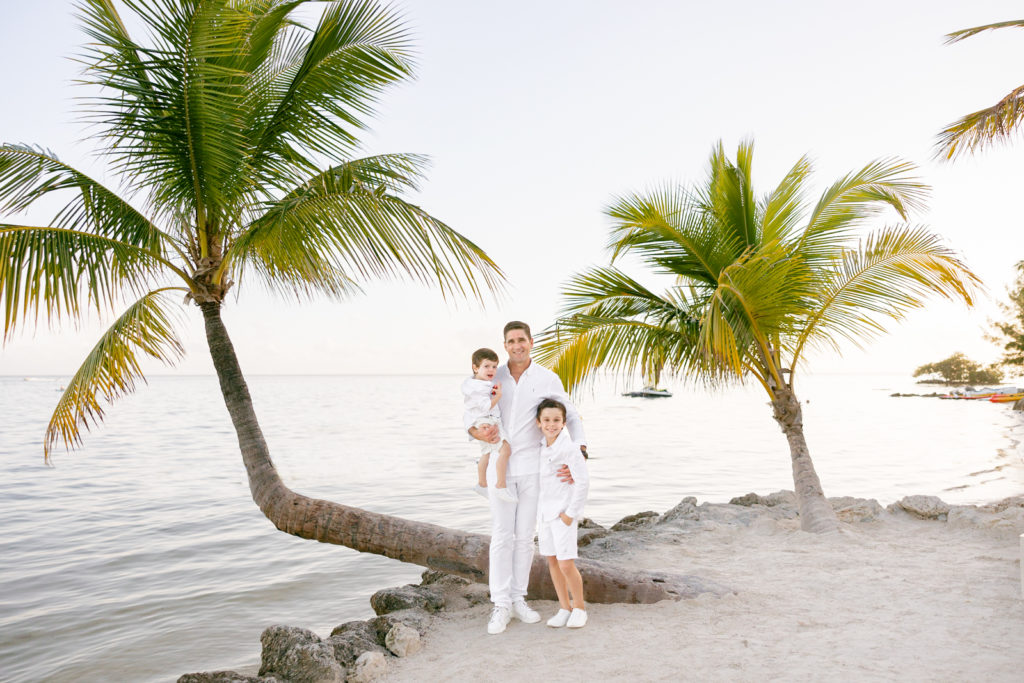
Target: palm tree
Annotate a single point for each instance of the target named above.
(232, 132)
(758, 282)
(986, 126)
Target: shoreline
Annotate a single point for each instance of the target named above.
(919, 589)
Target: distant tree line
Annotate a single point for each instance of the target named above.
(1009, 333)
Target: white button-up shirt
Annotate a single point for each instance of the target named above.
(518, 403)
(557, 496)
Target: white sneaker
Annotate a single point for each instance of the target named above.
(522, 611)
(505, 495)
(559, 620)
(578, 619)
(500, 616)
(480, 490)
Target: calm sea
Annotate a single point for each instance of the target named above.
(142, 557)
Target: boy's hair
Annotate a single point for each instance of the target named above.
(480, 355)
(550, 403)
(516, 325)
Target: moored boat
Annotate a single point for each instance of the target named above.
(649, 392)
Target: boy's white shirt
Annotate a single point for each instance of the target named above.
(518, 405)
(476, 401)
(557, 496)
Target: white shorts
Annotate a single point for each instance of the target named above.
(486, 447)
(557, 539)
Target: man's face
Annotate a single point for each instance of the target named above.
(518, 346)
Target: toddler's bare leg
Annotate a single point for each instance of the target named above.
(502, 466)
(481, 469)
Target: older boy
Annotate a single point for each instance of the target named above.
(513, 524)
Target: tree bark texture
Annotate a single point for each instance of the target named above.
(816, 514)
(448, 550)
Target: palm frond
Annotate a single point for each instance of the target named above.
(977, 131)
(610, 321)
(28, 174)
(669, 229)
(325, 87)
(345, 226)
(113, 366)
(784, 206)
(857, 197)
(64, 272)
(957, 36)
(894, 271)
(729, 195)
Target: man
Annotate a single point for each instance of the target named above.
(513, 524)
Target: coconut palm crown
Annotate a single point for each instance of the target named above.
(758, 281)
(231, 133)
(987, 126)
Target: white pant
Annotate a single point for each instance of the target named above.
(512, 530)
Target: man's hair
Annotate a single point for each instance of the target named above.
(516, 325)
(480, 355)
(550, 403)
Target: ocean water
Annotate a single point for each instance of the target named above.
(141, 556)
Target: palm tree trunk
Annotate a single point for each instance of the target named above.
(816, 514)
(428, 545)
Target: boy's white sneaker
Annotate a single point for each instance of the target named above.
(560, 619)
(500, 616)
(522, 612)
(505, 495)
(480, 490)
(578, 619)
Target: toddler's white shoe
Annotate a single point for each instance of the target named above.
(560, 619)
(480, 490)
(522, 611)
(505, 495)
(578, 619)
(500, 616)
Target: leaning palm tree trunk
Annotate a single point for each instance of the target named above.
(428, 545)
(816, 514)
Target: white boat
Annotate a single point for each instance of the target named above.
(649, 392)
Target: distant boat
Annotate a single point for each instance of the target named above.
(1005, 398)
(649, 392)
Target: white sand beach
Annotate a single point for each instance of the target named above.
(896, 598)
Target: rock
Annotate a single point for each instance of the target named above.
(223, 677)
(415, 619)
(640, 520)
(370, 666)
(686, 509)
(781, 499)
(352, 639)
(407, 597)
(403, 641)
(925, 507)
(585, 537)
(435, 578)
(747, 500)
(850, 509)
(298, 655)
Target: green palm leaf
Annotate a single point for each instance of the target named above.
(65, 272)
(892, 272)
(344, 225)
(113, 366)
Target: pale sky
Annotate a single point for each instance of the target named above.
(536, 114)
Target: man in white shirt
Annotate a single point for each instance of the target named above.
(513, 524)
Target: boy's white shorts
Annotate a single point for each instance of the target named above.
(555, 538)
(486, 447)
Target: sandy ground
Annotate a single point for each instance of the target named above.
(899, 599)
